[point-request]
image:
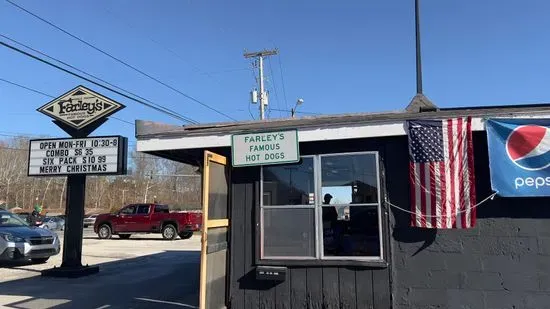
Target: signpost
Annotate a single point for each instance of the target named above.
(78, 112)
(265, 148)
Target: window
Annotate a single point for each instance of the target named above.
(130, 210)
(162, 209)
(11, 220)
(143, 209)
(325, 207)
(287, 192)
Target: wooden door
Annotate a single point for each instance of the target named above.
(215, 233)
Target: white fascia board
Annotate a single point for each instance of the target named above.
(187, 142)
(304, 135)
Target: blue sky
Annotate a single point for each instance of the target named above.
(339, 56)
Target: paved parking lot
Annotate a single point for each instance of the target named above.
(144, 271)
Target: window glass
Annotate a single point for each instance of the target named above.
(128, 210)
(355, 233)
(8, 219)
(143, 209)
(161, 209)
(290, 184)
(289, 232)
(349, 179)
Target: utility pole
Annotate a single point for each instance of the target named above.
(260, 55)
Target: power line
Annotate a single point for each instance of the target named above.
(170, 111)
(129, 155)
(19, 134)
(122, 120)
(51, 96)
(175, 54)
(94, 82)
(120, 61)
(299, 112)
(24, 87)
(282, 80)
(273, 83)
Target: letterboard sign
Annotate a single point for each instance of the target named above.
(265, 148)
(105, 155)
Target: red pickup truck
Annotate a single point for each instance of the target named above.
(147, 218)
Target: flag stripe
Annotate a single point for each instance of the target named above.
(460, 175)
(437, 191)
(443, 195)
(423, 202)
(428, 193)
(433, 195)
(466, 175)
(418, 195)
(471, 178)
(446, 169)
(414, 204)
(451, 170)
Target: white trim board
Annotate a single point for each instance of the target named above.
(304, 135)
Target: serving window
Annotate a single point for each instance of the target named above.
(325, 207)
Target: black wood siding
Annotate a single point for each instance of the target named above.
(305, 287)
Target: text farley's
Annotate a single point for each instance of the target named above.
(265, 143)
(70, 106)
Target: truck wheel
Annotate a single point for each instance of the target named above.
(40, 260)
(186, 235)
(104, 231)
(124, 236)
(169, 232)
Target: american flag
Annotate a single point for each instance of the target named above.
(441, 171)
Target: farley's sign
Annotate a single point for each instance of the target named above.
(80, 107)
(93, 155)
(265, 148)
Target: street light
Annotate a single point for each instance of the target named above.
(293, 110)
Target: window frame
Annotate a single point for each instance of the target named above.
(143, 206)
(320, 259)
(319, 204)
(262, 207)
(128, 206)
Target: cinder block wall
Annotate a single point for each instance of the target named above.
(504, 262)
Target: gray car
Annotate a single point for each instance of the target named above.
(90, 220)
(19, 241)
(53, 223)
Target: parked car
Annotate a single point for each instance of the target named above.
(53, 223)
(90, 220)
(147, 218)
(19, 241)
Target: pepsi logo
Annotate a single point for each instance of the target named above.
(528, 146)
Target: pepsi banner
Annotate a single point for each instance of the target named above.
(519, 156)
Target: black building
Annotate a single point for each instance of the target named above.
(277, 217)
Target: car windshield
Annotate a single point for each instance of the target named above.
(10, 220)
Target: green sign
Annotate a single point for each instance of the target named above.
(265, 148)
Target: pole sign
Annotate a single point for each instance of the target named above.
(265, 148)
(80, 107)
(104, 155)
